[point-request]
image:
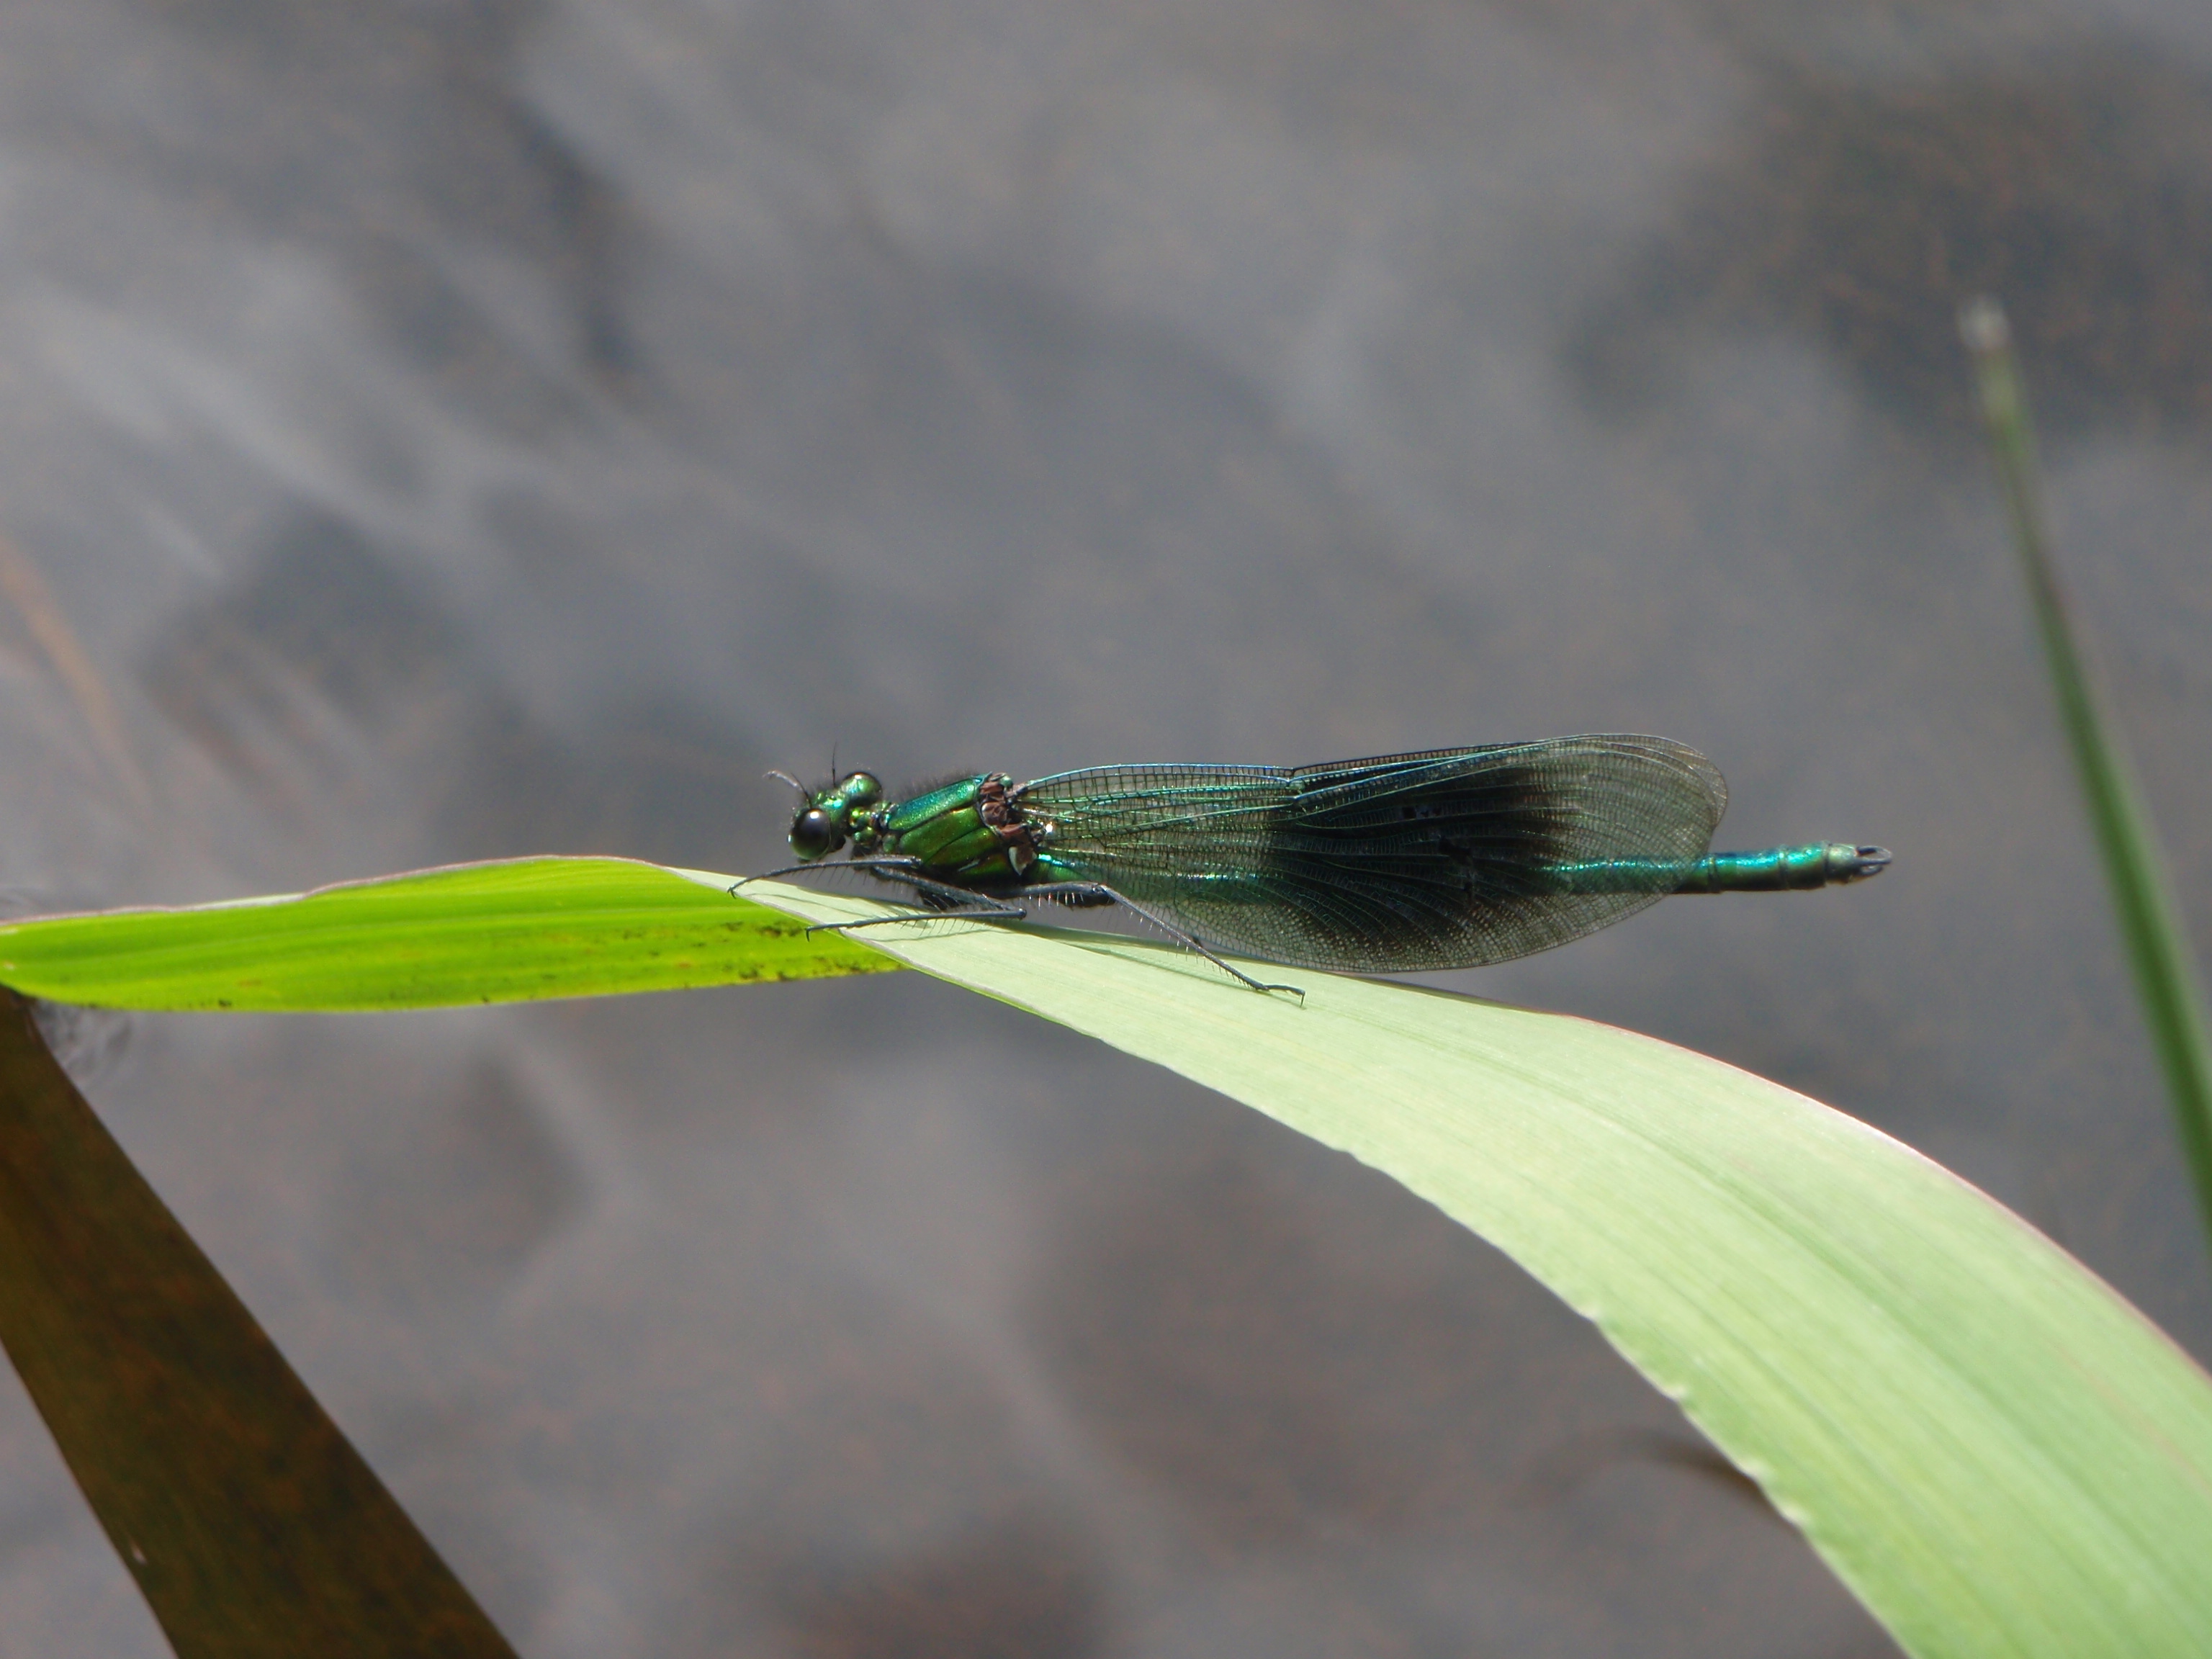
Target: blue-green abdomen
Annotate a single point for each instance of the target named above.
(1770, 869)
(1784, 869)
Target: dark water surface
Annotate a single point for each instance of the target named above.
(449, 430)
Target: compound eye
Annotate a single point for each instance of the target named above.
(862, 789)
(814, 835)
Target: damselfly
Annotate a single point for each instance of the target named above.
(1449, 859)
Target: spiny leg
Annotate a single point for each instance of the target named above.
(1095, 892)
(897, 869)
(768, 875)
(983, 906)
(964, 902)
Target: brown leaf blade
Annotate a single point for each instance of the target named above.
(253, 1528)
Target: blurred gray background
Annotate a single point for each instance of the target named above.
(433, 430)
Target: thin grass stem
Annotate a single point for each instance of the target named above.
(2158, 951)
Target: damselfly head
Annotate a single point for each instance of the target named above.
(824, 822)
(815, 835)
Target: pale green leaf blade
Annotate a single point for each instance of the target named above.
(1997, 1454)
(1995, 1451)
(516, 930)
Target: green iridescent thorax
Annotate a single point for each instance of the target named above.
(968, 832)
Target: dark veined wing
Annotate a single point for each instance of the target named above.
(1443, 859)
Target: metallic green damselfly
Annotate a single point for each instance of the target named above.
(1449, 859)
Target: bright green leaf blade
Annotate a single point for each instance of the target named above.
(507, 931)
(1997, 1454)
